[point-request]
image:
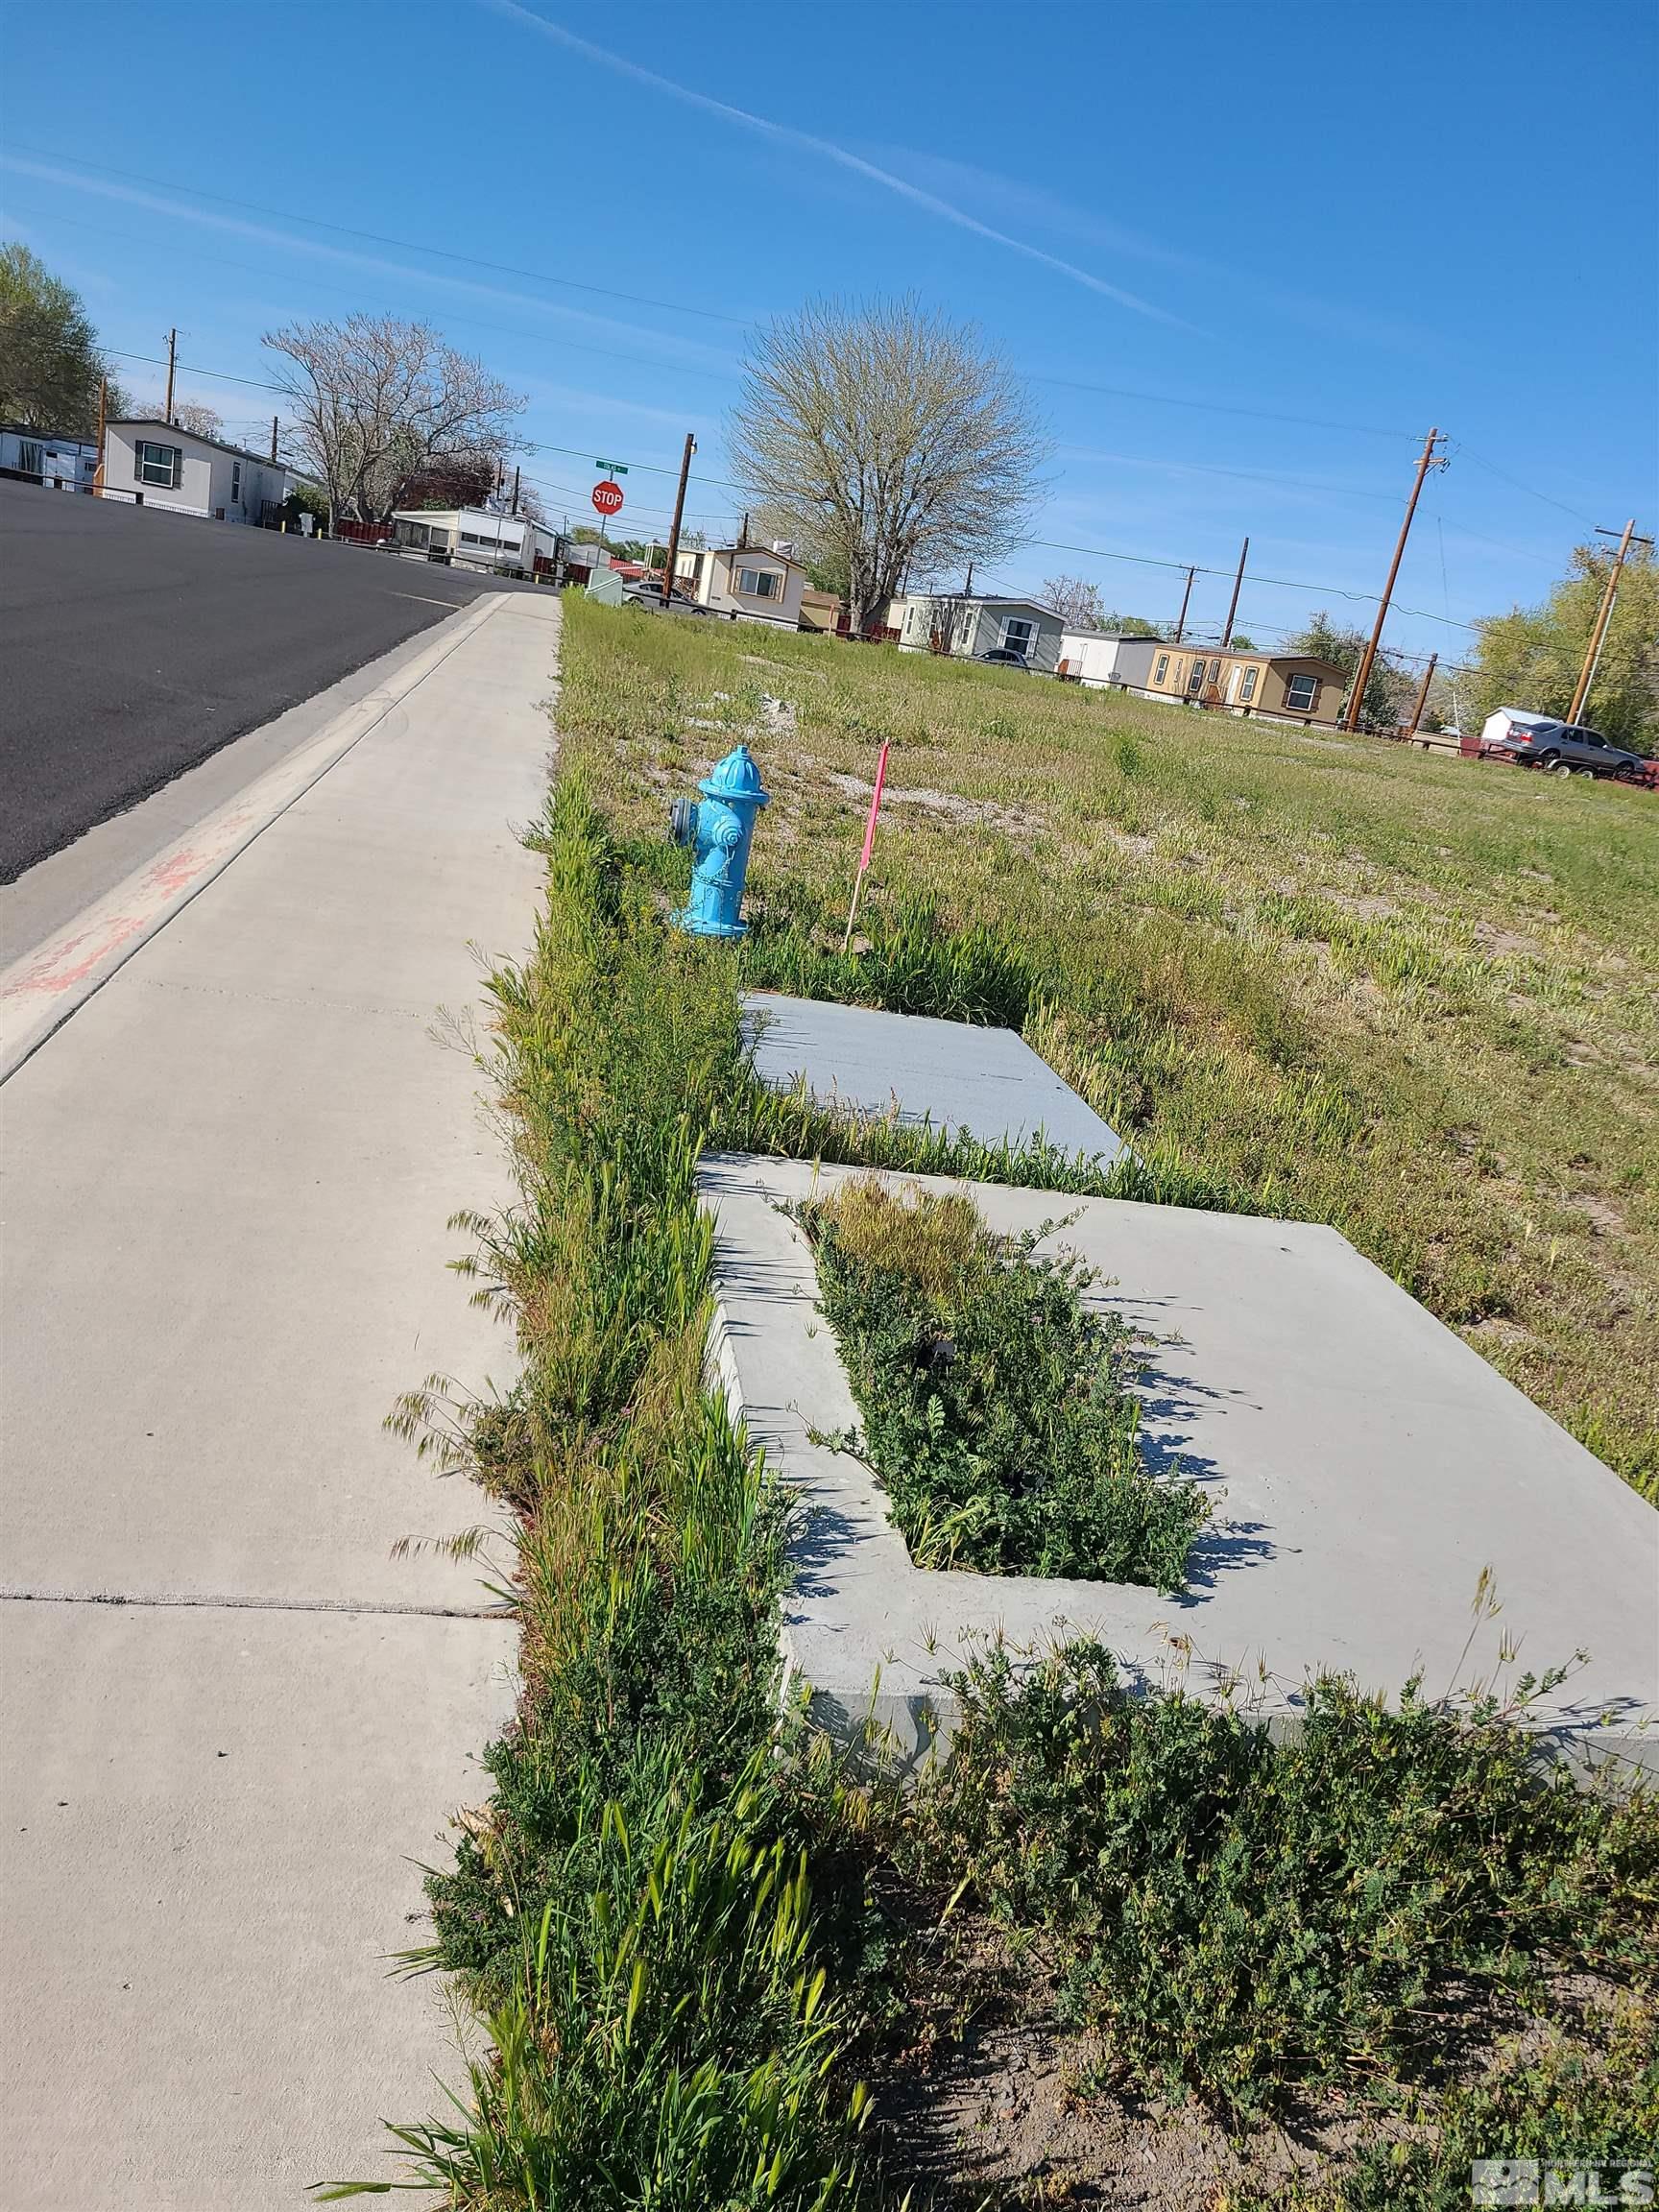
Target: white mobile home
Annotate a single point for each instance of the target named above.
(746, 583)
(474, 536)
(59, 464)
(982, 625)
(158, 465)
(1102, 659)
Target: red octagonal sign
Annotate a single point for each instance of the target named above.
(608, 495)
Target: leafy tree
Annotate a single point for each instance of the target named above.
(50, 366)
(1242, 643)
(1388, 691)
(1531, 657)
(885, 442)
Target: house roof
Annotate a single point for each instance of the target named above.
(178, 430)
(788, 559)
(453, 514)
(984, 599)
(1282, 659)
(46, 437)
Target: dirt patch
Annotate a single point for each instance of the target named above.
(996, 2104)
(950, 805)
(1495, 1330)
(1506, 943)
(1369, 905)
(1603, 1217)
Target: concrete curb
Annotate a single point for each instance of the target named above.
(42, 990)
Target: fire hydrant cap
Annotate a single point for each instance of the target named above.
(737, 776)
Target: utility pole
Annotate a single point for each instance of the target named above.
(516, 468)
(172, 362)
(1368, 658)
(1603, 617)
(1181, 618)
(679, 512)
(1423, 693)
(275, 420)
(1233, 603)
(968, 587)
(102, 418)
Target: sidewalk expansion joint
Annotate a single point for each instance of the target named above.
(216, 1601)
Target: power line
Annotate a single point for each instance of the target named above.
(1215, 407)
(380, 238)
(352, 292)
(1211, 468)
(1277, 583)
(1468, 453)
(1037, 376)
(725, 484)
(546, 277)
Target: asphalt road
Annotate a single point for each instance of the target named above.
(134, 643)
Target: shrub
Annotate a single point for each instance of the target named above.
(995, 1405)
(1245, 1918)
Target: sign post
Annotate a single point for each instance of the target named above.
(607, 500)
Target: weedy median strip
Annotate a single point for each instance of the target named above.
(633, 1915)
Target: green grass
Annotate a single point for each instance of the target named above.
(685, 1932)
(1415, 998)
(633, 1915)
(997, 1410)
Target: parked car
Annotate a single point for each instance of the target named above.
(1006, 656)
(646, 591)
(1568, 748)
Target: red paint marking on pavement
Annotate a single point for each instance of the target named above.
(62, 966)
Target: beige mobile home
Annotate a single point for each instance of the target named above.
(1290, 686)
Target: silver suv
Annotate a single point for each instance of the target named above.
(1543, 741)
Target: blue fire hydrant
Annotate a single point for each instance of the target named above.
(720, 829)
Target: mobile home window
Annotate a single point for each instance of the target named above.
(1302, 694)
(1247, 689)
(1161, 669)
(162, 465)
(760, 582)
(236, 482)
(1195, 681)
(1018, 635)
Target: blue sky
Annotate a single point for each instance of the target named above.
(1247, 253)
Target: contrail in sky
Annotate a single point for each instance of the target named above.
(786, 134)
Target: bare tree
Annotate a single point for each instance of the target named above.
(1076, 601)
(192, 415)
(945, 618)
(885, 441)
(376, 402)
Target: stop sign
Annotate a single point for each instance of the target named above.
(608, 495)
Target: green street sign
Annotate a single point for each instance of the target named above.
(611, 467)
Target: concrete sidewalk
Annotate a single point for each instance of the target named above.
(234, 1725)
